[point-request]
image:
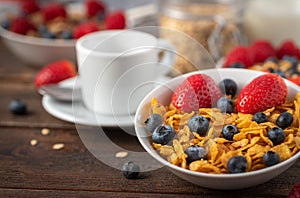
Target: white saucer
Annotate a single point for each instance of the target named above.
(75, 112)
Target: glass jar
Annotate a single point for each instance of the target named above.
(214, 24)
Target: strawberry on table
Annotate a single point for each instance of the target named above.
(55, 72)
(263, 92)
(115, 20)
(197, 91)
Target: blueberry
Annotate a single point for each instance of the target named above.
(48, 35)
(153, 121)
(163, 134)
(5, 24)
(198, 124)
(284, 120)
(260, 117)
(229, 131)
(17, 107)
(42, 29)
(237, 65)
(130, 170)
(292, 60)
(228, 87)
(100, 16)
(276, 135)
(271, 158)
(237, 164)
(66, 35)
(225, 105)
(194, 153)
(272, 59)
(280, 73)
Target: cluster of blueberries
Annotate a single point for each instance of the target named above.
(164, 134)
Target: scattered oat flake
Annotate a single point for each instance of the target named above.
(45, 131)
(58, 146)
(121, 154)
(33, 142)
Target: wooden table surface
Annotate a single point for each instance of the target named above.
(40, 171)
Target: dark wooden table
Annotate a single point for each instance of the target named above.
(40, 171)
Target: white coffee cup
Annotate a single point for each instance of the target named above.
(117, 68)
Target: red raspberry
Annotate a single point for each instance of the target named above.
(53, 11)
(197, 91)
(239, 54)
(21, 25)
(115, 20)
(29, 6)
(85, 28)
(288, 48)
(260, 50)
(295, 192)
(94, 7)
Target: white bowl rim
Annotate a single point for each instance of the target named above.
(211, 175)
(31, 40)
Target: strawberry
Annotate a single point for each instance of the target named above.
(261, 93)
(29, 6)
(115, 20)
(295, 191)
(55, 72)
(94, 7)
(239, 54)
(84, 29)
(288, 47)
(197, 91)
(21, 25)
(260, 50)
(53, 11)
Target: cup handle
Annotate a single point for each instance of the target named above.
(215, 40)
(169, 56)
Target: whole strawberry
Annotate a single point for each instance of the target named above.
(55, 72)
(260, 50)
(239, 54)
(115, 20)
(261, 93)
(288, 47)
(197, 91)
(295, 191)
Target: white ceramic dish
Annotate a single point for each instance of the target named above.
(214, 181)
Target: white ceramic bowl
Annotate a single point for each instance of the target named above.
(215, 181)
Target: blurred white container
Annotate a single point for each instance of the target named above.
(274, 20)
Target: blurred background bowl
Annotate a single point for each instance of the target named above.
(163, 94)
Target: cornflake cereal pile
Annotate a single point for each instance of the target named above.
(251, 142)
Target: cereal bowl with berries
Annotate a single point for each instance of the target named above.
(42, 33)
(222, 128)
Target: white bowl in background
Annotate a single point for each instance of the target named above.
(214, 181)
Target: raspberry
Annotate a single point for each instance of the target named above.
(85, 28)
(29, 6)
(115, 20)
(21, 25)
(239, 54)
(295, 192)
(288, 48)
(260, 50)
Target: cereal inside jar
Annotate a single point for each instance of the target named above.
(197, 26)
